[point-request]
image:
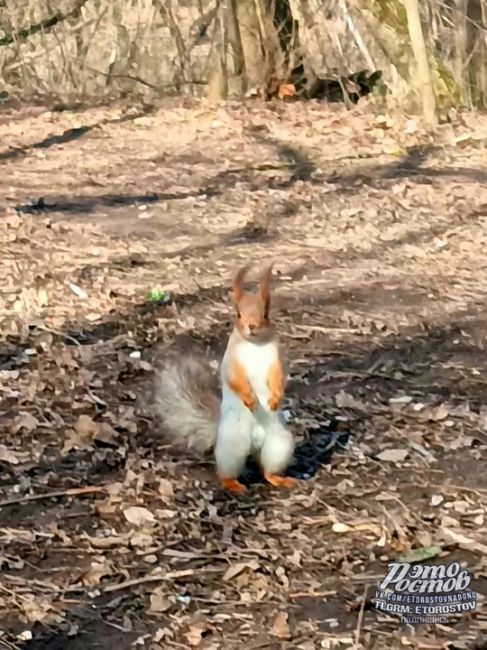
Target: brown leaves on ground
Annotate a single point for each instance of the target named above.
(124, 241)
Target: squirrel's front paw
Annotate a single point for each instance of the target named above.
(274, 401)
(251, 403)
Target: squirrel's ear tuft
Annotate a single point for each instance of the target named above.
(238, 289)
(265, 285)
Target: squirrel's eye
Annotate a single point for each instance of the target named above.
(238, 314)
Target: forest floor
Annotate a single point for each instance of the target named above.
(108, 539)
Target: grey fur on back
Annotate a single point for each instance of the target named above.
(187, 401)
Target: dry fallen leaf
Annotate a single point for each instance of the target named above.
(8, 456)
(165, 489)
(393, 455)
(195, 635)
(106, 433)
(138, 515)
(106, 542)
(92, 317)
(467, 543)
(401, 399)
(38, 610)
(42, 297)
(280, 627)
(341, 528)
(235, 569)
(296, 557)
(78, 291)
(25, 421)
(159, 601)
(159, 634)
(436, 499)
(93, 576)
(141, 540)
(345, 400)
(286, 90)
(86, 430)
(435, 414)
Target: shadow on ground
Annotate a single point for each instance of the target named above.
(298, 164)
(71, 135)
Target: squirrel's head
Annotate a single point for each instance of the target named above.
(252, 307)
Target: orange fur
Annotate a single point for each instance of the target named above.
(275, 383)
(253, 307)
(280, 481)
(238, 382)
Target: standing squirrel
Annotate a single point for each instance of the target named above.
(242, 417)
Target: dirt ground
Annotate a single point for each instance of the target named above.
(108, 539)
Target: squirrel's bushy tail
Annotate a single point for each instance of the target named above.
(186, 399)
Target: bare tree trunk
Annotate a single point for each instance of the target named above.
(418, 46)
(251, 39)
(254, 43)
(218, 77)
(483, 38)
(235, 54)
(273, 55)
(475, 53)
(287, 29)
(460, 48)
(165, 9)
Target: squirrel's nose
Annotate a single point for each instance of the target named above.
(252, 327)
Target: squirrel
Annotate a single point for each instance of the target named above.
(242, 416)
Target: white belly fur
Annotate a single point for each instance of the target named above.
(257, 361)
(241, 432)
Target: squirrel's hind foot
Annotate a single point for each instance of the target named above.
(232, 485)
(280, 481)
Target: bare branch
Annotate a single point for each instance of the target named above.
(43, 25)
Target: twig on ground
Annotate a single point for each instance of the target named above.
(49, 330)
(92, 489)
(8, 644)
(323, 330)
(312, 594)
(360, 618)
(171, 575)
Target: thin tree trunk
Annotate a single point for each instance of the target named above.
(475, 53)
(218, 76)
(274, 56)
(483, 38)
(253, 44)
(418, 47)
(234, 53)
(460, 49)
(251, 39)
(165, 9)
(287, 29)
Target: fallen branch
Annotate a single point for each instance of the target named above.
(358, 629)
(4, 643)
(92, 489)
(171, 575)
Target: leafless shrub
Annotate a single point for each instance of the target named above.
(98, 48)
